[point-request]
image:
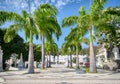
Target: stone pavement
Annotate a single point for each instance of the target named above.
(59, 74)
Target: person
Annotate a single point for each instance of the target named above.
(116, 52)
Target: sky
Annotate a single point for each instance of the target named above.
(65, 7)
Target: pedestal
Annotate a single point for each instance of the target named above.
(1, 60)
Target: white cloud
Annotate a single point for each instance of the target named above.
(61, 3)
(23, 4)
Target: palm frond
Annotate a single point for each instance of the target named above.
(71, 20)
(11, 32)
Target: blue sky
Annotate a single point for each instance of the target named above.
(66, 8)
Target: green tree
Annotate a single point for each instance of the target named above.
(15, 46)
(65, 50)
(76, 33)
(77, 38)
(92, 19)
(46, 22)
(55, 50)
(10, 48)
(37, 52)
(87, 22)
(21, 22)
(51, 48)
(109, 36)
(48, 46)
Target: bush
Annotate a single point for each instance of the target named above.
(87, 69)
(74, 60)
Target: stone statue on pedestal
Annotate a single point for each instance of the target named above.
(116, 53)
(21, 64)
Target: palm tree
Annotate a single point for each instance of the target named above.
(65, 50)
(87, 22)
(50, 48)
(45, 17)
(31, 55)
(71, 20)
(21, 22)
(77, 39)
(113, 11)
(54, 50)
(92, 19)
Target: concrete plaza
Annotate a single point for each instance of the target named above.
(59, 74)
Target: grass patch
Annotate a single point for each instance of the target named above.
(44, 69)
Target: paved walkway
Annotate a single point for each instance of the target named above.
(59, 74)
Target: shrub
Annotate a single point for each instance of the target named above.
(87, 69)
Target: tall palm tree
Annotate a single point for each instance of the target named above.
(51, 48)
(31, 55)
(77, 39)
(65, 50)
(21, 22)
(92, 19)
(87, 22)
(45, 17)
(71, 20)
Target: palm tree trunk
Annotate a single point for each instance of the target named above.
(49, 60)
(43, 55)
(70, 59)
(31, 56)
(31, 59)
(92, 56)
(58, 59)
(54, 59)
(77, 58)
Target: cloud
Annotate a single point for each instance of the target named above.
(61, 3)
(23, 4)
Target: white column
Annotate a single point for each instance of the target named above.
(1, 60)
(105, 54)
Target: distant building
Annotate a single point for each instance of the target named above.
(64, 58)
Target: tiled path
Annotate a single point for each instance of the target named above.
(59, 74)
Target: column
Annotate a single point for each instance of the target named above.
(1, 60)
(105, 54)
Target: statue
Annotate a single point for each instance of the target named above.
(21, 64)
(116, 53)
(14, 59)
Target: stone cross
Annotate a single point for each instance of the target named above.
(1, 60)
